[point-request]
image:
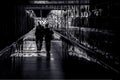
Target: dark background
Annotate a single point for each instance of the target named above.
(11, 25)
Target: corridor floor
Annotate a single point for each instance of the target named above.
(27, 63)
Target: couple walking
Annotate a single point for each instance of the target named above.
(44, 33)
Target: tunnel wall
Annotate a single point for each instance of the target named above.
(100, 35)
(14, 22)
(107, 24)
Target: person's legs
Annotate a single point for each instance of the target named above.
(48, 46)
(37, 44)
(40, 44)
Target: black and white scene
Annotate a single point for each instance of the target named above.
(59, 39)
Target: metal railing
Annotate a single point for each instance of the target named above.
(7, 49)
(90, 52)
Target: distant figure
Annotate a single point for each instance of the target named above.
(19, 46)
(48, 38)
(39, 36)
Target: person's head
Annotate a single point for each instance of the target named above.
(38, 23)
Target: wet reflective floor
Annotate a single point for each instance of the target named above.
(25, 62)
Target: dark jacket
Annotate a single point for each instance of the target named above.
(48, 34)
(39, 32)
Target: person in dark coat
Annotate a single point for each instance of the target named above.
(48, 38)
(39, 36)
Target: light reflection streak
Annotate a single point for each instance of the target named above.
(31, 54)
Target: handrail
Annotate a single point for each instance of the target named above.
(89, 50)
(8, 47)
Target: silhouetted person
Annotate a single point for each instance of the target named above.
(48, 38)
(39, 36)
(19, 46)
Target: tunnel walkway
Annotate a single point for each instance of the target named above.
(25, 62)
